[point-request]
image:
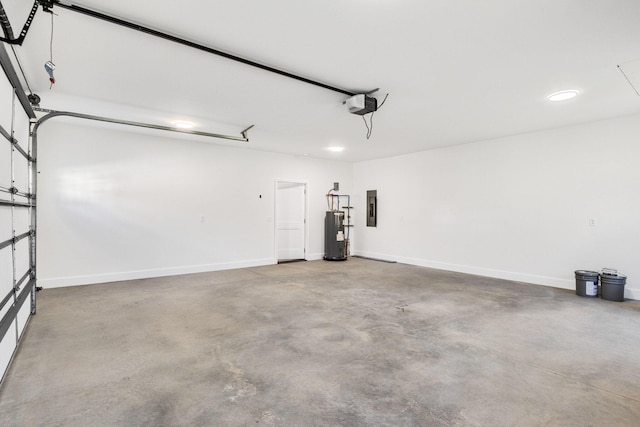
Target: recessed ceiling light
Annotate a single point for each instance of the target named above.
(336, 149)
(183, 124)
(563, 95)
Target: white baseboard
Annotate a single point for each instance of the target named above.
(314, 257)
(60, 282)
(631, 293)
(555, 282)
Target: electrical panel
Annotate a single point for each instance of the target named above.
(372, 208)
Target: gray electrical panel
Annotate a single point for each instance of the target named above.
(372, 208)
(335, 245)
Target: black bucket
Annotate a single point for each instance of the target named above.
(587, 283)
(613, 287)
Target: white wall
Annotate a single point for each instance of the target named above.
(515, 208)
(116, 205)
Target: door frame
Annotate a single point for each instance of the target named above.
(302, 183)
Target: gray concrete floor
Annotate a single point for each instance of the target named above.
(320, 343)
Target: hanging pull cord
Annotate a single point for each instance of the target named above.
(49, 66)
(370, 127)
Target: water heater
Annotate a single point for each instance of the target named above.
(335, 245)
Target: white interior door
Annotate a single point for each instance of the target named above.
(290, 220)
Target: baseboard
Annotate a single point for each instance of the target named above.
(555, 282)
(146, 274)
(314, 257)
(631, 293)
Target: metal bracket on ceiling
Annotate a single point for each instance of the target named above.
(47, 5)
(244, 132)
(8, 31)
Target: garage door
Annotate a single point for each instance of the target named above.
(17, 238)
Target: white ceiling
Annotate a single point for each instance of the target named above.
(456, 71)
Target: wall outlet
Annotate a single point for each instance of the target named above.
(592, 222)
(201, 218)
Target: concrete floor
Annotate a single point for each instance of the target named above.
(319, 344)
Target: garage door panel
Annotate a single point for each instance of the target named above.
(7, 347)
(6, 102)
(5, 165)
(5, 225)
(21, 128)
(21, 219)
(6, 276)
(22, 257)
(23, 315)
(20, 172)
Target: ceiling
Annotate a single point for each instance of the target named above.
(457, 71)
